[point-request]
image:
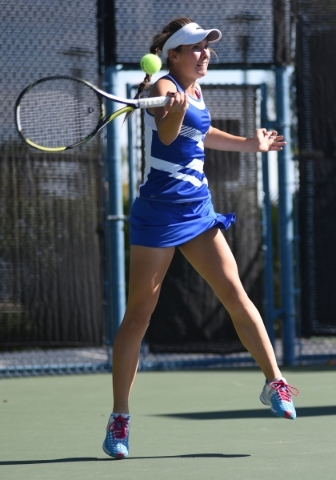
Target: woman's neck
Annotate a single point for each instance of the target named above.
(189, 86)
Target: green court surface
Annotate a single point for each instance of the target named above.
(200, 425)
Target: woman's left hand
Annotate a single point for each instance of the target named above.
(268, 141)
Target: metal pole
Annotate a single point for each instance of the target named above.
(115, 217)
(132, 178)
(269, 315)
(286, 235)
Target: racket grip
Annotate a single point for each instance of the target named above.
(153, 102)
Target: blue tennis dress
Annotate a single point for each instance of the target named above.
(174, 203)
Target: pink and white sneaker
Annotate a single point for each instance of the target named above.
(277, 394)
(117, 433)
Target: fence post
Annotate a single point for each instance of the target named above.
(269, 315)
(286, 231)
(115, 217)
(132, 175)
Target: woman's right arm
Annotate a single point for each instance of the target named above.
(169, 118)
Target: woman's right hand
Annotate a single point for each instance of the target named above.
(177, 103)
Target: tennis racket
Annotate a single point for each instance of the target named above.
(57, 113)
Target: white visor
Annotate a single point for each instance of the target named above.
(190, 34)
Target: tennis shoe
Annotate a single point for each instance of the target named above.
(117, 433)
(278, 395)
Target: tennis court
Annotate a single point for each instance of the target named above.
(185, 425)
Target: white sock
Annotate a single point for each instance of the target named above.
(123, 415)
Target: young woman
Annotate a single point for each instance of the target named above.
(174, 209)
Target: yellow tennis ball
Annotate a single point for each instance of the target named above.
(151, 63)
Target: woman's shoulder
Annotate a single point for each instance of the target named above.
(166, 80)
(163, 85)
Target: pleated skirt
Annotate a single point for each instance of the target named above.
(165, 224)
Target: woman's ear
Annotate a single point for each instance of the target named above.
(172, 55)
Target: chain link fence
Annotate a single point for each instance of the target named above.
(316, 96)
(255, 34)
(51, 286)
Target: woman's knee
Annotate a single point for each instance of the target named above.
(234, 298)
(137, 317)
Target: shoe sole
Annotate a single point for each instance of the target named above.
(268, 403)
(119, 456)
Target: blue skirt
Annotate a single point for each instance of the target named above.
(165, 224)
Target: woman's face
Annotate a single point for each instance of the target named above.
(193, 59)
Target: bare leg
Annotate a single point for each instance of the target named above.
(148, 267)
(211, 256)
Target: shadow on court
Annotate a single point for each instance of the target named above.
(95, 459)
(256, 413)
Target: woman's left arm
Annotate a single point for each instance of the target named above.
(263, 141)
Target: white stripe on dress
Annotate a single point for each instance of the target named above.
(174, 170)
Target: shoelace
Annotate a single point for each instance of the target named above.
(119, 427)
(284, 390)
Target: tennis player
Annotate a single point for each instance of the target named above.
(174, 209)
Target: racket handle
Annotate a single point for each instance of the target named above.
(152, 102)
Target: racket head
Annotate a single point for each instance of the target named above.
(57, 113)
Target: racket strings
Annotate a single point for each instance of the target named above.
(59, 113)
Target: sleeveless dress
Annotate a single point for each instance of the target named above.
(174, 203)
